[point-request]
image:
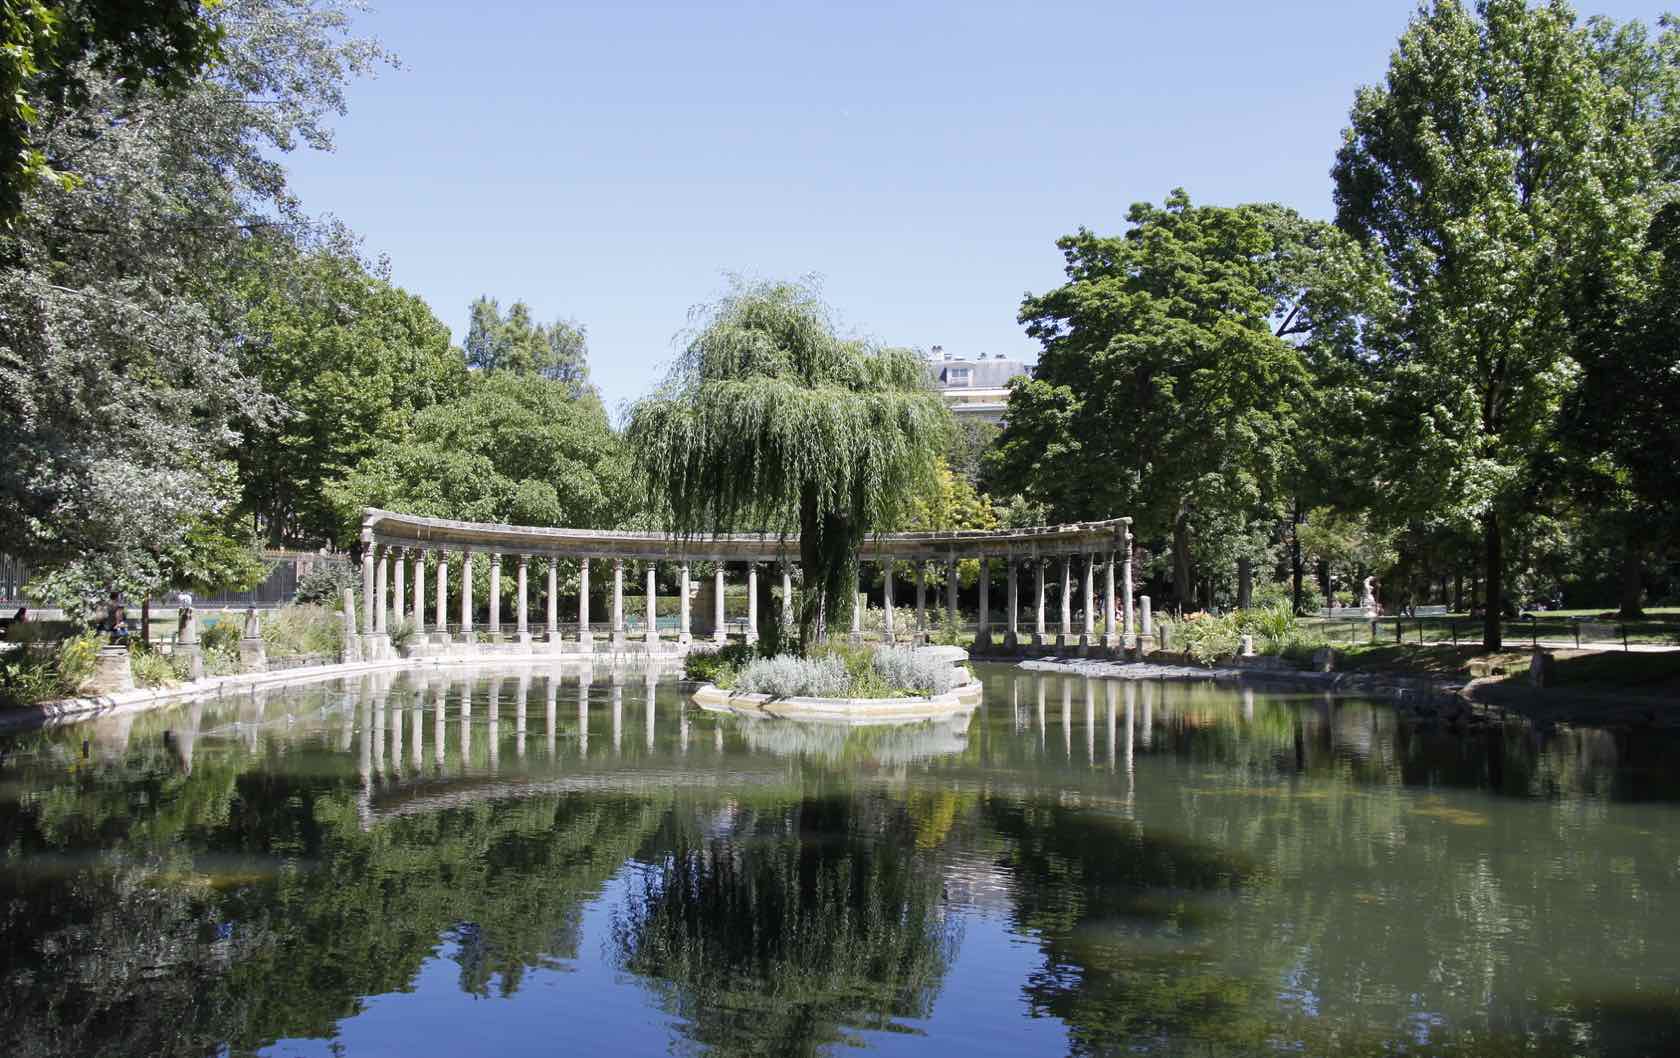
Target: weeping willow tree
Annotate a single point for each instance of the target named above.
(771, 421)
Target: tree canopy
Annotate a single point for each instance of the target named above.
(770, 420)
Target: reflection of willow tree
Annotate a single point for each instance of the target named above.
(1117, 910)
(267, 911)
(809, 922)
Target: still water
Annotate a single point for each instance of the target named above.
(564, 862)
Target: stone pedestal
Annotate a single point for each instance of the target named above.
(586, 642)
(1541, 667)
(253, 652)
(1247, 650)
(352, 644)
(112, 673)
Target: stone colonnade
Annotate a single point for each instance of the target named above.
(398, 549)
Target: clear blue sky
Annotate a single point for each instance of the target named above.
(611, 162)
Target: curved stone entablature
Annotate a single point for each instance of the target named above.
(387, 528)
(416, 542)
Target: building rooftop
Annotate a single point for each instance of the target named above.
(981, 372)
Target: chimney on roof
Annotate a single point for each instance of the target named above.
(937, 350)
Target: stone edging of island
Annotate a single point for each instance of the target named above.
(847, 711)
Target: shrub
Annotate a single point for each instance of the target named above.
(914, 671)
(223, 633)
(1206, 638)
(402, 633)
(718, 666)
(152, 669)
(1274, 626)
(307, 629)
(786, 675)
(325, 582)
(42, 672)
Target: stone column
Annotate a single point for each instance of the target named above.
(352, 645)
(522, 608)
(1146, 626)
(857, 603)
(620, 635)
(1126, 628)
(921, 600)
(983, 617)
(466, 596)
(419, 592)
(685, 634)
(553, 599)
(720, 634)
(367, 588)
(1111, 637)
(586, 638)
(381, 585)
(951, 595)
(398, 588)
(1012, 627)
(1067, 639)
(652, 634)
(887, 601)
(1041, 636)
(787, 596)
(1088, 603)
(495, 595)
(752, 602)
(443, 597)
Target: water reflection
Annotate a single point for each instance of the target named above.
(1178, 869)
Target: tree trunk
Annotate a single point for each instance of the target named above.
(1457, 601)
(1324, 582)
(1297, 567)
(1183, 588)
(1245, 583)
(1492, 634)
(1633, 579)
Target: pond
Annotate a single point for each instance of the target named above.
(542, 862)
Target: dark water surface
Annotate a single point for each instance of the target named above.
(543, 864)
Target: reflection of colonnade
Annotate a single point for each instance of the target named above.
(400, 551)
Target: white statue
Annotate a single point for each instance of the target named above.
(1368, 598)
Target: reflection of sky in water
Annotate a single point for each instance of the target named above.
(448, 866)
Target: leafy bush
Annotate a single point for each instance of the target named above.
(222, 633)
(914, 671)
(307, 629)
(42, 672)
(785, 675)
(1206, 638)
(718, 666)
(152, 669)
(1272, 627)
(325, 582)
(402, 633)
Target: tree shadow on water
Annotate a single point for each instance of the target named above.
(790, 933)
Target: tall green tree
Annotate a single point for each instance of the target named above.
(1172, 385)
(771, 421)
(66, 52)
(514, 341)
(1496, 166)
(120, 380)
(348, 359)
(509, 449)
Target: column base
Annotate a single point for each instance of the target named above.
(1067, 641)
(620, 640)
(855, 638)
(442, 639)
(651, 637)
(684, 639)
(524, 639)
(1011, 641)
(1043, 639)
(720, 637)
(983, 641)
(495, 635)
(586, 642)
